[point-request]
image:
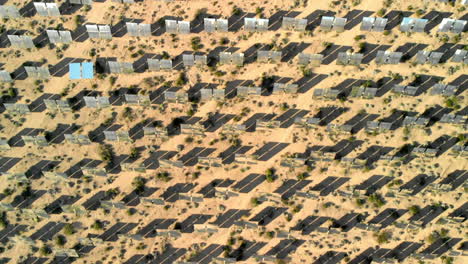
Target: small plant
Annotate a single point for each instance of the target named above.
(254, 201)
(60, 240)
(376, 200)
(270, 175)
(414, 209)
(45, 250)
(139, 184)
(97, 225)
(68, 229)
(106, 153)
(383, 237)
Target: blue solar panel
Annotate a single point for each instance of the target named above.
(88, 72)
(75, 71)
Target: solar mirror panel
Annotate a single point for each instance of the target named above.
(343, 58)
(166, 64)
(105, 32)
(249, 24)
(238, 59)
(327, 22)
(262, 24)
(9, 12)
(171, 26)
(154, 64)
(18, 108)
(184, 27)
(93, 31)
(41, 9)
(24, 42)
(434, 57)
(139, 30)
(339, 24)
(110, 135)
(379, 24)
(201, 60)
(52, 9)
(246, 91)
(275, 56)
(225, 57)
(81, 2)
(458, 26)
(5, 76)
(367, 23)
(222, 25)
(218, 94)
(460, 56)
(50, 104)
(263, 55)
(188, 60)
(209, 24)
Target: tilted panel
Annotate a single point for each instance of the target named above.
(145, 30)
(114, 67)
(222, 25)
(419, 25)
(327, 22)
(301, 24)
(93, 31)
(238, 59)
(166, 64)
(50, 104)
(394, 57)
(206, 94)
(287, 23)
(250, 24)
(103, 101)
(209, 24)
(460, 56)
(356, 58)
(262, 24)
(41, 9)
(343, 58)
(184, 27)
(53, 36)
(110, 135)
(131, 99)
(275, 56)
(339, 24)
(446, 24)
(218, 94)
(5, 76)
(367, 23)
(201, 59)
(188, 59)
(263, 55)
(304, 58)
(154, 64)
(435, 57)
(458, 26)
(127, 67)
(380, 23)
(105, 32)
(52, 9)
(225, 57)
(63, 105)
(132, 29)
(422, 56)
(65, 36)
(90, 101)
(171, 26)
(9, 12)
(406, 24)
